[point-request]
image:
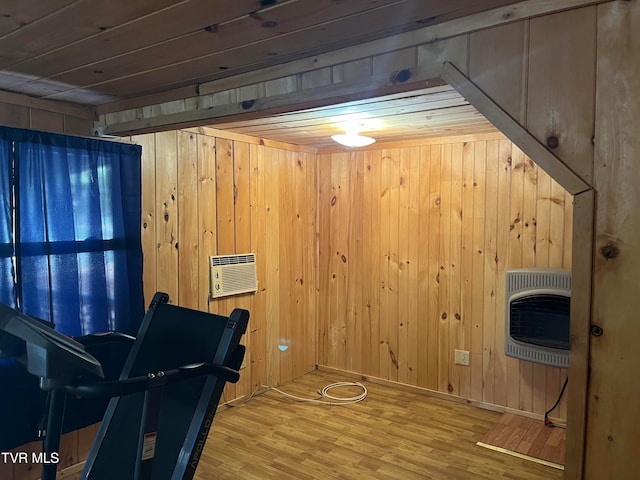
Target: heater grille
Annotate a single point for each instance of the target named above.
(537, 315)
(526, 279)
(233, 274)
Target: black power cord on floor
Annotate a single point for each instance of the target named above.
(548, 422)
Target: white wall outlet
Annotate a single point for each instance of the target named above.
(462, 357)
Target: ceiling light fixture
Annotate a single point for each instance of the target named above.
(352, 138)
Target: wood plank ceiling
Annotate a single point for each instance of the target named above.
(99, 52)
(429, 113)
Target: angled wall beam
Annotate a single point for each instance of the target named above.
(530, 145)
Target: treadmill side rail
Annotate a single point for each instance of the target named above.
(205, 411)
(194, 350)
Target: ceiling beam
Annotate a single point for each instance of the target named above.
(374, 86)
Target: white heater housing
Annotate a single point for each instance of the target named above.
(233, 275)
(537, 315)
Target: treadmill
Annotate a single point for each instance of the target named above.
(163, 404)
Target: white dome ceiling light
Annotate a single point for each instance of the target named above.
(352, 138)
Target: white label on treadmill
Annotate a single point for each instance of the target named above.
(149, 445)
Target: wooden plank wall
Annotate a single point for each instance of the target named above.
(613, 418)
(56, 117)
(206, 193)
(414, 245)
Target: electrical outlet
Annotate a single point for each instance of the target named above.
(462, 357)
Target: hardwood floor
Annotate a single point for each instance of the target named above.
(527, 436)
(393, 434)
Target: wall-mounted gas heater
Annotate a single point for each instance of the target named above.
(538, 315)
(232, 275)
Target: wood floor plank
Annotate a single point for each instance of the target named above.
(539, 442)
(554, 449)
(392, 434)
(528, 437)
(526, 445)
(518, 432)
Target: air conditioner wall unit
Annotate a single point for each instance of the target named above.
(232, 275)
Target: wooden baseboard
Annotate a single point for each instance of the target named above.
(436, 394)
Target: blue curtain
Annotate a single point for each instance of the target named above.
(77, 246)
(7, 291)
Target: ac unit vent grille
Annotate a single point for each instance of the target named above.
(233, 274)
(233, 259)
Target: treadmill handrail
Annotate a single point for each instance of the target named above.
(127, 386)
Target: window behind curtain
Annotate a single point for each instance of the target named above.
(77, 256)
